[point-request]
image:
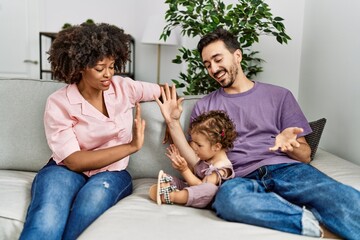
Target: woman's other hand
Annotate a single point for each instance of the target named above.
(138, 129)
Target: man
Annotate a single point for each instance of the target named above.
(274, 187)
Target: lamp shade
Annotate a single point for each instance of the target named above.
(153, 29)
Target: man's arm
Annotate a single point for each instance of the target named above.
(301, 153)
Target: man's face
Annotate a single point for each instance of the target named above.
(221, 64)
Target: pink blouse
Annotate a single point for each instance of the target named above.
(73, 124)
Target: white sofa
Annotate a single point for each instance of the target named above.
(23, 151)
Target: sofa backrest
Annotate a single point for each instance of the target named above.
(151, 158)
(22, 139)
(23, 144)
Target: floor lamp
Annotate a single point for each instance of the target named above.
(153, 29)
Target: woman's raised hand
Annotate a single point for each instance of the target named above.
(138, 129)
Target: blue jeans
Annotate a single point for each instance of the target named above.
(275, 196)
(64, 203)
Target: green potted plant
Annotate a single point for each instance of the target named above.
(67, 25)
(248, 19)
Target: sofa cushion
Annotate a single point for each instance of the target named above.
(15, 197)
(136, 217)
(338, 168)
(313, 138)
(140, 164)
(22, 109)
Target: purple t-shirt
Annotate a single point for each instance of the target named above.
(259, 115)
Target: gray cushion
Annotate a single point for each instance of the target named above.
(23, 144)
(313, 138)
(151, 157)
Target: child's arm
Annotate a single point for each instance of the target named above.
(171, 110)
(190, 178)
(214, 177)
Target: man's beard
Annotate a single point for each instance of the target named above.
(232, 73)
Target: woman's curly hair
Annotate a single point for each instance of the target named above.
(217, 126)
(83, 46)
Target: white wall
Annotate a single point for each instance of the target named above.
(330, 82)
(282, 66)
(129, 15)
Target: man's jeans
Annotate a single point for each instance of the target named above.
(275, 196)
(64, 203)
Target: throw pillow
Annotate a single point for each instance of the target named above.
(313, 138)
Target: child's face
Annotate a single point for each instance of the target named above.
(202, 146)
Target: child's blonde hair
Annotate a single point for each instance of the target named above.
(216, 126)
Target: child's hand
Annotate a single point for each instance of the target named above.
(172, 151)
(178, 162)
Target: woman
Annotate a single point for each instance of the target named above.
(88, 126)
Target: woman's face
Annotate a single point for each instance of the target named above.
(98, 77)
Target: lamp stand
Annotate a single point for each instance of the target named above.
(158, 64)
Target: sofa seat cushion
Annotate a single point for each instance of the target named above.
(137, 217)
(341, 170)
(15, 197)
